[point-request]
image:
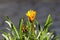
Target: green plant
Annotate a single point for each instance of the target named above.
(28, 31)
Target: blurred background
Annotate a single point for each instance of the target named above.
(16, 9)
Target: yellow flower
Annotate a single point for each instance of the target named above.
(31, 15)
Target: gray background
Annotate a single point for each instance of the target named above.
(16, 9)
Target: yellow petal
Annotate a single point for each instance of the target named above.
(31, 14)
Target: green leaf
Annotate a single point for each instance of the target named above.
(48, 35)
(5, 35)
(20, 25)
(48, 23)
(12, 27)
(8, 19)
(46, 27)
(38, 24)
(29, 26)
(57, 37)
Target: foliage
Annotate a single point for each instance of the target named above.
(29, 30)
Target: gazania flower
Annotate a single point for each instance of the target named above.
(31, 15)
